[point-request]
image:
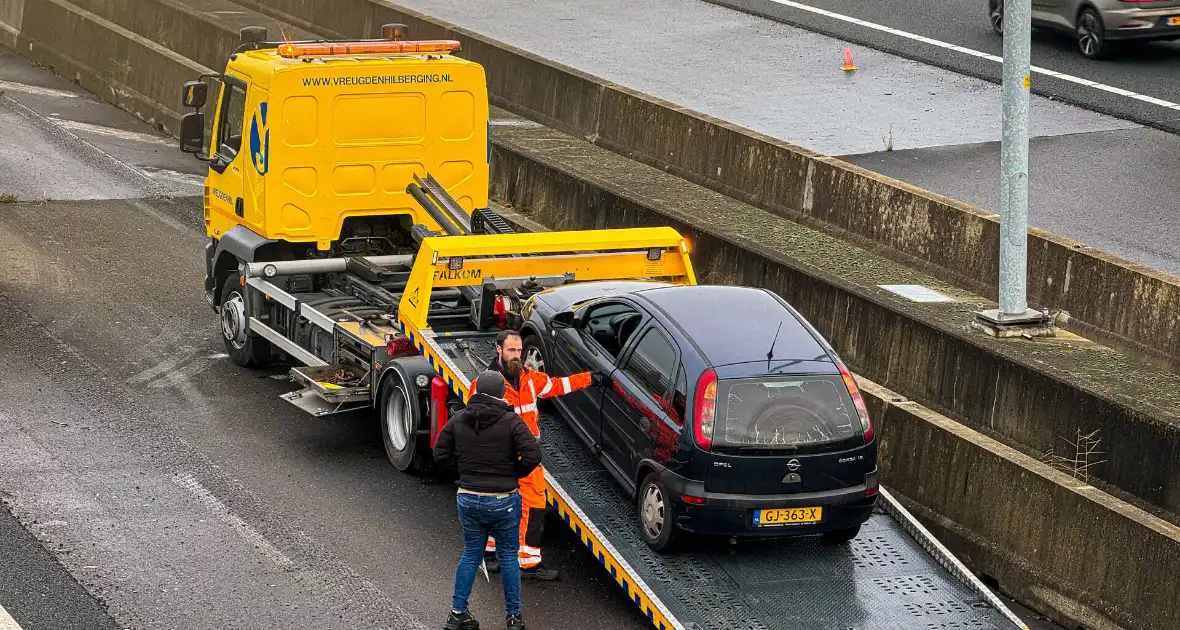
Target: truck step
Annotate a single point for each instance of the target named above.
(309, 400)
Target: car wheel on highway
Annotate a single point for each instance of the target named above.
(657, 519)
(995, 15)
(1091, 35)
(243, 349)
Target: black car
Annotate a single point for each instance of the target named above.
(723, 411)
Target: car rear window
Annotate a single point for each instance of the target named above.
(772, 412)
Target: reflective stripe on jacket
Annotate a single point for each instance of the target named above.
(534, 385)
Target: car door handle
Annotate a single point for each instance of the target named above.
(644, 424)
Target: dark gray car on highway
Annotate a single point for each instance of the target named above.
(1095, 23)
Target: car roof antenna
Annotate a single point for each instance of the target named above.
(770, 353)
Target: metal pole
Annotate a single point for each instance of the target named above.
(1014, 159)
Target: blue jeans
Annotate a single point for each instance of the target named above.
(480, 517)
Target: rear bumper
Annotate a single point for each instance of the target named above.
(733, 514)
(1141, 24)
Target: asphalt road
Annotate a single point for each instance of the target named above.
(1152, 69)
(175, 489)
(1103, 181)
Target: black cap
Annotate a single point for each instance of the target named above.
(491, 383)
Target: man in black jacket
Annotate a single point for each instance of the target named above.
(493, 448)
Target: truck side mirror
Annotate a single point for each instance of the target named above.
(195, 93)
(192, 133)
(564, 319)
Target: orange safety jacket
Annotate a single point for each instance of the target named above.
(534, 385)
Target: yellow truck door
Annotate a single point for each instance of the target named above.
(226, 182)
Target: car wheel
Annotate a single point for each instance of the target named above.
(840, 536)
(657, 518)
(995, 15)
(1091, 35)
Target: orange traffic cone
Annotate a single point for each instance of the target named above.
(848, 67)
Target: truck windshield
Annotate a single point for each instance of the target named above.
(788, 412)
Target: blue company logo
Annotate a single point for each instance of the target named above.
(260, 140)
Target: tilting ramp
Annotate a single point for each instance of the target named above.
(883, 579)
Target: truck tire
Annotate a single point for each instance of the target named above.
(401, 414)
(244, 349)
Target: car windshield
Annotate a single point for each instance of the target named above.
(771, 412)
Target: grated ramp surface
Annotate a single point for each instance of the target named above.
(881, 580)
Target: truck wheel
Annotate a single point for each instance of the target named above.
(244, 349)
(401, 418)
(657, 519)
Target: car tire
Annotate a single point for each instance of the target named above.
(244, 349)
(995, 16)
(400, 421)
(840, 536)
(1091, 35)
(657, 517)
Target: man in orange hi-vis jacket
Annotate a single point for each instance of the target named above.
(525, 386)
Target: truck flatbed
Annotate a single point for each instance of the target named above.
(893, 575)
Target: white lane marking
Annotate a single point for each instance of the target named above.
(6, 86)
(135, 136)
(223, 512)
(7, 622)
(975, 53)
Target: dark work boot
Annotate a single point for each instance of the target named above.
(461, 621)
(539, 572)
(493, 562)
(515, 622)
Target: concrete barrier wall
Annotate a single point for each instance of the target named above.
(1111, 300)
(1056, 544)
(207, 35)
(1030, 396)
(117, 65)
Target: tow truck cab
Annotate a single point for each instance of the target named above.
(311, 146)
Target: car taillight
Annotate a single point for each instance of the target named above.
(438, 408)
(706, 406)
(858, 400)
(688, 498)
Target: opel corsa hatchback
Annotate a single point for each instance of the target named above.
(722, 411)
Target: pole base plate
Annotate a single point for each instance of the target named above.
(1029, 324)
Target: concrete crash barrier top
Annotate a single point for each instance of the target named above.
(1106, 298)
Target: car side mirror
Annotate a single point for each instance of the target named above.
(564, 319)
(192, 133)
(195, 93)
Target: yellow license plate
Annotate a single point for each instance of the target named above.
(1174, 20)
(788, 516)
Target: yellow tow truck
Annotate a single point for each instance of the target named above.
(347, 195)
(346, 206)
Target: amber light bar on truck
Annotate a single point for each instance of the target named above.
(291, 51)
